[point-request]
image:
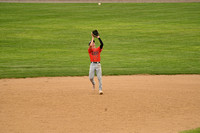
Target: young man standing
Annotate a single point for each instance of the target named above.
(95, 65)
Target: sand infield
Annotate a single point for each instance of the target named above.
(130, 104)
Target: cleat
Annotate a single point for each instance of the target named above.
(100, 92)
(93, 87)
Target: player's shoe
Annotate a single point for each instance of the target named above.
(100, 92)
(93, 86)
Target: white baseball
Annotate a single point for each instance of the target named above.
(99, 4)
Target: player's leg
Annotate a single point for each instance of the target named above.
(91, 74)
(99, 76)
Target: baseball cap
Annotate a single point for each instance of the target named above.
(90, 42)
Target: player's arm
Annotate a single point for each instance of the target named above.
(91, 43)
(101, 46)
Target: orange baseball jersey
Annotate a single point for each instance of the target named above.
(95, 54)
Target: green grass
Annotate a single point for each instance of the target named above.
(192, 131)
(140, 38)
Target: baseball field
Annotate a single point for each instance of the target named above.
(150, 63)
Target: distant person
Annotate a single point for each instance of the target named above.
(95, 58)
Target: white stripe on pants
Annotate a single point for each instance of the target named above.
(95, 67)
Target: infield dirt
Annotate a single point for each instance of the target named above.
(130, 104)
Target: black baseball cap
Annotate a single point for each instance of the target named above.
(90, 42)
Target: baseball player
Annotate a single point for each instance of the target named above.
(95, 58)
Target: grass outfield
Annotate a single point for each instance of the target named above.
(192, 131)
(140, 38)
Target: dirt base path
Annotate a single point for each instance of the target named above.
(130, 104)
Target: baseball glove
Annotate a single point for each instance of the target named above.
(95, 33)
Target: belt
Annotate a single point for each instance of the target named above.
(95, 62)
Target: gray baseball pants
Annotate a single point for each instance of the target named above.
(95, 67)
